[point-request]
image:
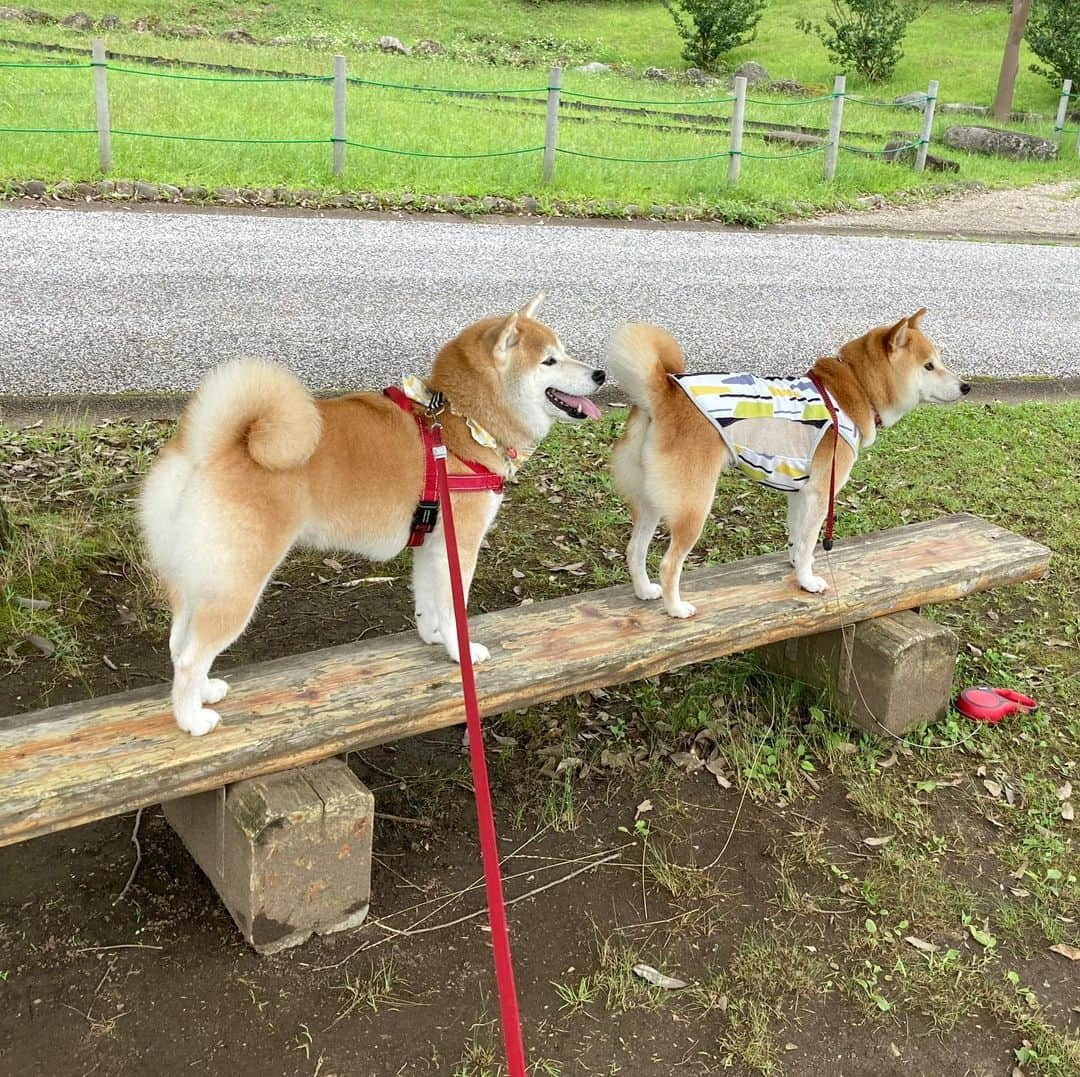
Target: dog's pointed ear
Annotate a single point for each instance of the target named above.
(507, 340)
(533, 305)
(915, 320)
(896, 337)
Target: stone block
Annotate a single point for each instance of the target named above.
(894, 671)
(289, 853)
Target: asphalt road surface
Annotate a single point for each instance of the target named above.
(113, 301)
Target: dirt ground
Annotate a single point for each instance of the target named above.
(787, 927)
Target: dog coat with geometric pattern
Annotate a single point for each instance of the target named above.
(771, 426)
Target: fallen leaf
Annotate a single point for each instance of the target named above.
(658, 979)
(716, 768)
(575, 569)
(571, 762)
(517, 574)
(884, 764)
(1068, 813)
(846, 748)
(109, 662)
(32, 603)
(688, 761)
(46, 647)
(983, 938)
(1019, 892)
(1063, 948)
(642, 808)
(974, 650)
(894, 1050)
(921, 944)
(876, 843)
(504, 742)
(334, 566)
(995, 789)
(1064, 791)
(615, 760)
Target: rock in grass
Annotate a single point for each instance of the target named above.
(78, 20)
(753, 72)
(387, 43)
(953, 107)
(189, 33)
(594, 68)
(656, 74)
(901, 149)
(146, 192)
(698, 77)
(237, 37)
(35, 189)
(428, 48)
(110, 22)
(39, 18)
(11, 14)
(994, 142)
(916, 100)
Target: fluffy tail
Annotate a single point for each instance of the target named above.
(257, 404)
(641, 357)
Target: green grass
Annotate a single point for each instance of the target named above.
(957, 43)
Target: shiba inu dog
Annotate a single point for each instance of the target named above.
(683, 430)
(258, 465)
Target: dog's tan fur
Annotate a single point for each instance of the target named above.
(668, 460)
(258, 465)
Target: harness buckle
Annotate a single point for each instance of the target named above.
(425, 517)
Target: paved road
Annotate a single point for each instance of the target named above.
(120, 301)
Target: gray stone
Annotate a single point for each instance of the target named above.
(594, 68)
(289, 854)
(194, 194)
(146, 192)
(78, 20)
(428, 48)
(110, 22)
(85, 191)
(632, 210)
(169, 193)
(655, 74)
(658, 212)
(39, 18)
(391, 44)
(227, 195)
(916, 100)
(343, 201)
(104, 188)
(265, 196)
(35, 189)
(951, 108)
(124, 189)
(368, 200)
(892, 671)
(281, 40)
(306, 196)
(11, 14)
(794, 138)
(237, 37)
(870, 201)
(699, 77)
(753, 72)
(788, 86)
(489, 204)
(529, 204)
(190, 33)
(64, 189)
(900, 149)
(994, 142)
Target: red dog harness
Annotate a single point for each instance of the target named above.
(427, 512)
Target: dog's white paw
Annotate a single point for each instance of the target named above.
(479, 653)
(649, 592)
(814, 584)
(791, 554)
(214, 690)
(200, 723)
(682, 609)
(428, 628)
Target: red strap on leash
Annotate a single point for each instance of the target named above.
(489, 849)
(830, 519)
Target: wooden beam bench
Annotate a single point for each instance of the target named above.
(76, 763)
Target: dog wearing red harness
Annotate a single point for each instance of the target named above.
(259, 466)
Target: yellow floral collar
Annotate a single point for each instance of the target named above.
(416, 389)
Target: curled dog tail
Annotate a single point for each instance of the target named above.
(255, 404)
(641, 357)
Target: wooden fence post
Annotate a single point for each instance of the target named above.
(340, 89)
(101, 99)
(927, 126)
(832, 148)
(551, 131)
(738, 114)
(1063, 110)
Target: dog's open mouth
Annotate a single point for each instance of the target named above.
(577, 407)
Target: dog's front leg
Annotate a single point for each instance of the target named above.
(434, 604)
(806, 514)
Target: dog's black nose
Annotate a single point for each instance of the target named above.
(600, 377)
(965, 388)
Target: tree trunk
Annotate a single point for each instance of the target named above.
(1010, 62)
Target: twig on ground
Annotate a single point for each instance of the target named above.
(138, 857)
(425, 823)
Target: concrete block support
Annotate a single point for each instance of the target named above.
(290, 853)
(900, 670)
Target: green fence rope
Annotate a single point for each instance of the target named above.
(441, 89)
(792, 104)
(646, 100)
(218, 78)
(643, 160)
(881, 153)
(49, 130)
(71, 67)
(784, 156)
(446, 156)
(214, 138)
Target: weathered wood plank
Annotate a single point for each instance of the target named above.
(84, 761)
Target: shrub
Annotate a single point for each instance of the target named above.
(710, 28)
(866, 35)
(1053, 32)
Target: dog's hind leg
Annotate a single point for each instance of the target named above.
(646, 517)
(628, 469)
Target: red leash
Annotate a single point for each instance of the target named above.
(489, 849)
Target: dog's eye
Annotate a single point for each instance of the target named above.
(929, 366)
(550, 361)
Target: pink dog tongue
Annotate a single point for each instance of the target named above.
(582, 403)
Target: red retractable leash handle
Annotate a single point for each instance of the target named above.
(993, 704)
(489, 849)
